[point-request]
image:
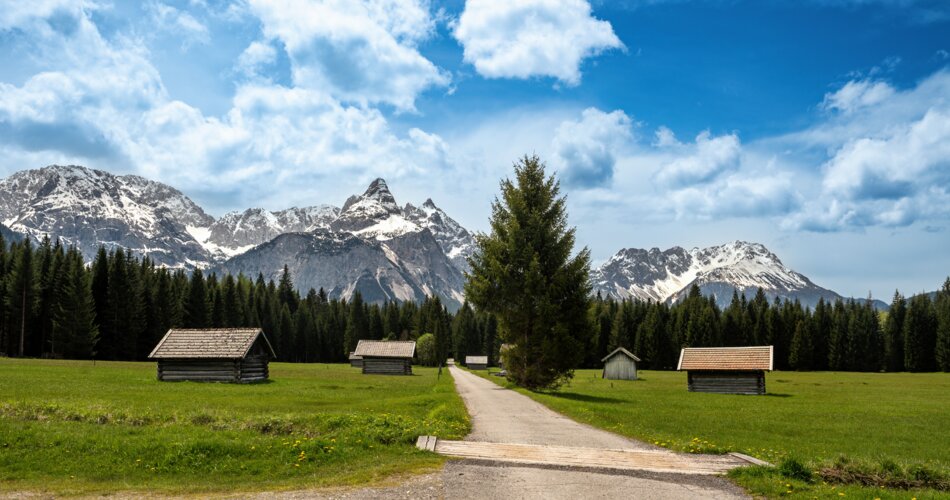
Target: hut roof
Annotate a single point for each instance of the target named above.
(227, 343)
(354, 356)
(726, 358)
(385, 349)
(620, 350)
(476, 360)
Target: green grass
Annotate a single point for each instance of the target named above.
(816, 417)
(71, 427)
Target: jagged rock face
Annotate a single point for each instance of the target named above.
(719, 270)
(237, 232)
(86, 208)
(371, 211)
(407, 267)
(457, 242)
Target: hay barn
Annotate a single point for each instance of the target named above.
(620, 364)
(726, 370)
(386, 357)
(476, 362)
(213, 355)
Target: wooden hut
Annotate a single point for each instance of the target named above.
(213, 355)
(476, 362)
(726, 370)
(386, 357)
(620, 364)
(356, 361)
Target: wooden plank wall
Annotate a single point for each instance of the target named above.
(620, 368)
(476, 366)
(205, 370)
(727, 382)
(387, 366)
(250, 369)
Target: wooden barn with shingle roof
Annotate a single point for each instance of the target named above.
(476, 362)
(382, 357)
(726, 370)
(213, 355)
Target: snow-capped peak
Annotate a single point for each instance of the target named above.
(666, 275)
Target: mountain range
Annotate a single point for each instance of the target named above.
(370, 244)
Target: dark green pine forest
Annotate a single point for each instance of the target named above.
(119, 307)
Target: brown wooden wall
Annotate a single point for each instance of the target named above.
(249, 369)
(725, 382)
(387, 366)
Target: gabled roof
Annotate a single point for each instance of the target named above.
(385, 348)
(353, 356)
(726, 358)
(476, 360)
(620, 350)
(218, 343)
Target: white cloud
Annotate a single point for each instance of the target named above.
(857, 94)
(178, 23)
(528, 38)
(357, 51)
(256, 55)
(105, 106)
(586, 150)
(700, 162)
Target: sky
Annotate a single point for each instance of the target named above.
(820, 128)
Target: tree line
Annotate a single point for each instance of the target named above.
(842, 336)
(119, 307)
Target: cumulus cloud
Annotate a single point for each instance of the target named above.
(358, 51)
(586, 149)
(255, 56)
(895, 179)
(178, 23)
(531, 38)
(106, 106)
(858, 94)
(700, 162)
(738, 195)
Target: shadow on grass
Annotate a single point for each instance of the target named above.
(573, 396)
(778, 395)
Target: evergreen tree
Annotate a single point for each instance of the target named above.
(286, 292)
(21, 297)
(920, 335)
(894, 334)
(801, 355)
(357, 327)
(74, 319)
(288, 332)
(942, 306)
(196, 305)
(523, 272)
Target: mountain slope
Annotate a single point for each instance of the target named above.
(88, 208)
(718, 270)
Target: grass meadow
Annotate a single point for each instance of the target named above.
(78, 427)
(818, 418)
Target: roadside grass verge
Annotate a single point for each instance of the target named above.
(853, 431)
(69, 427)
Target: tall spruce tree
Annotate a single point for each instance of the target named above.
(21, 297)
(894, 334)
(74, 324)
(920, 335)
(942, 306)
(524, 273)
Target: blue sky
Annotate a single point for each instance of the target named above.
(820, 128)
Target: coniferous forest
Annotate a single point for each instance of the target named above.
(120, 306)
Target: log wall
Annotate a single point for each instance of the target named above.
(387, 366)
(250, 369)
(727, 382)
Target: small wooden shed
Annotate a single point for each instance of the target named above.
(476, 362)
(382, 357)
(356, 361)
(726, 370)
(213, 355)
(620, 364)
